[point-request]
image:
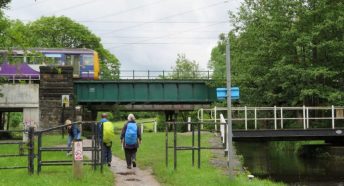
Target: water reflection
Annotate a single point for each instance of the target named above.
(263, 161)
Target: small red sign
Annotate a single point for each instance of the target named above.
(78, 154)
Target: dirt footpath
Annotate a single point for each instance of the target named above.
(127, 177)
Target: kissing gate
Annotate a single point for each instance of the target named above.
(193, 126)
(94, 148)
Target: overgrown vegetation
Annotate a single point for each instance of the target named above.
(285, 53)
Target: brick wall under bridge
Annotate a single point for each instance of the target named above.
(55, 82)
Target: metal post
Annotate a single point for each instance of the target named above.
(166, 144)
(175, 145)
(199, 146)
(281, 118)
(101, 148)
(304, 116)
(189, 125)
(31, 153)
(202, 118)
(63, 119)
(215, 115)
(255, 118)
(193, 144)
(275, 117)
(332, 117)
(229, 112)
(39, 154)
(307, 117)
(245, 117)
(94, 142)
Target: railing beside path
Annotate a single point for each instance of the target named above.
(21, 153)
(95, 148)
(253, 118)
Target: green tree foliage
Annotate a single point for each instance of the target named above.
(4, 3)
(185, 68)
(61, 32)
(3, 21)
(286, 52)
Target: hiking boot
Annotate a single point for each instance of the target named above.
(128, 167)
(134, 163)
(109, 164)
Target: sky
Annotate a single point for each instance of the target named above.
(142, 34)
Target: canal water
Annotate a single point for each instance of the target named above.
(263, 160)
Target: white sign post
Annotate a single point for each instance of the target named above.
(77, 158)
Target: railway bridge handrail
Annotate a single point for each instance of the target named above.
(276, 114)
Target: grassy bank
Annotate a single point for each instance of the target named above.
(52, 175)
(152, 154)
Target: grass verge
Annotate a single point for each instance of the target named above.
(51, 175)
(152, 154)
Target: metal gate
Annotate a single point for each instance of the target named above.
(25, 149)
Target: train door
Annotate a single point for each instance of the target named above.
(74, 60)
(87, 70)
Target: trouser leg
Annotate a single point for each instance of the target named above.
(127, 153)
(109, 155)
(133, 154)
(69, 142)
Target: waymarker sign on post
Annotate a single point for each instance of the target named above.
(78, 151)
(77, 159)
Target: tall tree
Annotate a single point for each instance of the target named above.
(185, 68)
(4, 3)
(287, 52)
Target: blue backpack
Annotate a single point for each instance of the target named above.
(131, 134)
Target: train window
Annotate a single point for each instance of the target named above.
(87, 60)
(74, 60)
(15, 59)
(54, 59)
(2, 58)
(34, 60)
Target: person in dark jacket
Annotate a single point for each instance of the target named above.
(73, 133)
(130, 146)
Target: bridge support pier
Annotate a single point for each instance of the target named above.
(56, 81)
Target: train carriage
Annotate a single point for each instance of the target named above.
(21, 63)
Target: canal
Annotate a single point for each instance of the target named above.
(267, 160)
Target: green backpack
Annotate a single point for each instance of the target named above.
(108, 132)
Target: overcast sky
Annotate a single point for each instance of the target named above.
(142, 34)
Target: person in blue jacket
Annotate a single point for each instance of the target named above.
(130, 139)
(73, 133)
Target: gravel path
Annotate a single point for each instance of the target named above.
(127, 177)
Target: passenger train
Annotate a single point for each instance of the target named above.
(21, 63)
